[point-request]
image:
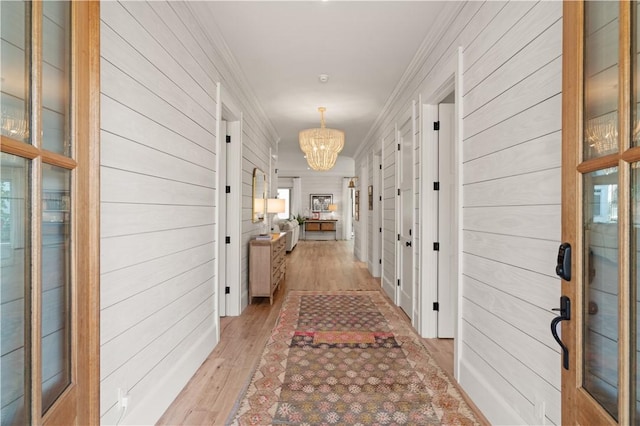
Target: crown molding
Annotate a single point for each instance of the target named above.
(233, 74)
(426, 47)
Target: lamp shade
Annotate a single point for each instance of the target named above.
(275, 205)
(333, 208)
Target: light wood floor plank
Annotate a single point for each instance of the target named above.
(210, 395)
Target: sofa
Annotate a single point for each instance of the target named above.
(292, 229)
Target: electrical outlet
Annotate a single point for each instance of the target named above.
(123, 398)
(539, 412)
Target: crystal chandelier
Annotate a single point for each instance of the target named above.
(321, 146)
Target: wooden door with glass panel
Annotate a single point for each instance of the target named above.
(601, 190)
(48, 297)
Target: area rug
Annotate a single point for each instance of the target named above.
(347, 358)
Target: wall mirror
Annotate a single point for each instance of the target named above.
(259, 195)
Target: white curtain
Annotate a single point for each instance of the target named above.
(296, 197)
(346, 210)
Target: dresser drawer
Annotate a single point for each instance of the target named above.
(266, 265)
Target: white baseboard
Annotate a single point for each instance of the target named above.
(486, 397)
(149, 408)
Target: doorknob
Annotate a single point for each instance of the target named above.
(565, 315)
(408, 243)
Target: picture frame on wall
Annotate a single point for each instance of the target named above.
(320, 202)
(370, 197)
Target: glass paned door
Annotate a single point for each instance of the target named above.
(48, 99)
(599, 211)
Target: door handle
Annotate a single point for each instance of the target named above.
(408, 243)
(565, 315)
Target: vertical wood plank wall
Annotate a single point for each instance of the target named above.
(158, 98)
(509, 364)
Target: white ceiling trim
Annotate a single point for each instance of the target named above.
(426, 47)
(204, 17)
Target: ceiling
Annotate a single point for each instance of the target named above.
(364, 47)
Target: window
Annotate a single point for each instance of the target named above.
(285, 194)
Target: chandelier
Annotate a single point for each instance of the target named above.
(321, 146)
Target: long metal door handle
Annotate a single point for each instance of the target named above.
(565, 315)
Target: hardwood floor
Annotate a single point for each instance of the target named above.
(209, 397)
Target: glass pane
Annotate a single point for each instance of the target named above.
(601, 78)
(600, 345)
(56, 282)
(15, 283)
(56, 76)
(14, 93)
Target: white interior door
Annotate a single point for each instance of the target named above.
(376, 270)
(390, 208)
(222, 223)
(405, 216)
(447, 274)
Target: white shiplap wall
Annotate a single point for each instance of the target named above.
(159, 71)
(511, 121)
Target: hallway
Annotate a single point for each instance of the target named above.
(210, 395)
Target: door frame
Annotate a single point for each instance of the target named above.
(448, 79)
(229, 112)
(406, 119)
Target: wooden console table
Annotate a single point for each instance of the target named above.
(320, 226)
(266, 266)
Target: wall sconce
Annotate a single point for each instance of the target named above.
(352, 183)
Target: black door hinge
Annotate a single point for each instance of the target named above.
(436, 246)
(398, 191)
(380, 261)
(436, 186)
(398, 282)
(227, 189)
(228, 139)
(436, 125)
(436, 306)
(409, 232)
(398, 147)
(381, 198)
(380, 166)
(227, 290)
(380, 229)
(398, 237)
(227, 240)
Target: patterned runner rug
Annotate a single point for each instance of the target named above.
(347, 358)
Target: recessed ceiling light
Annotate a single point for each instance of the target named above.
(323, 78)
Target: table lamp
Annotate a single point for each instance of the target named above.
(275, 206)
